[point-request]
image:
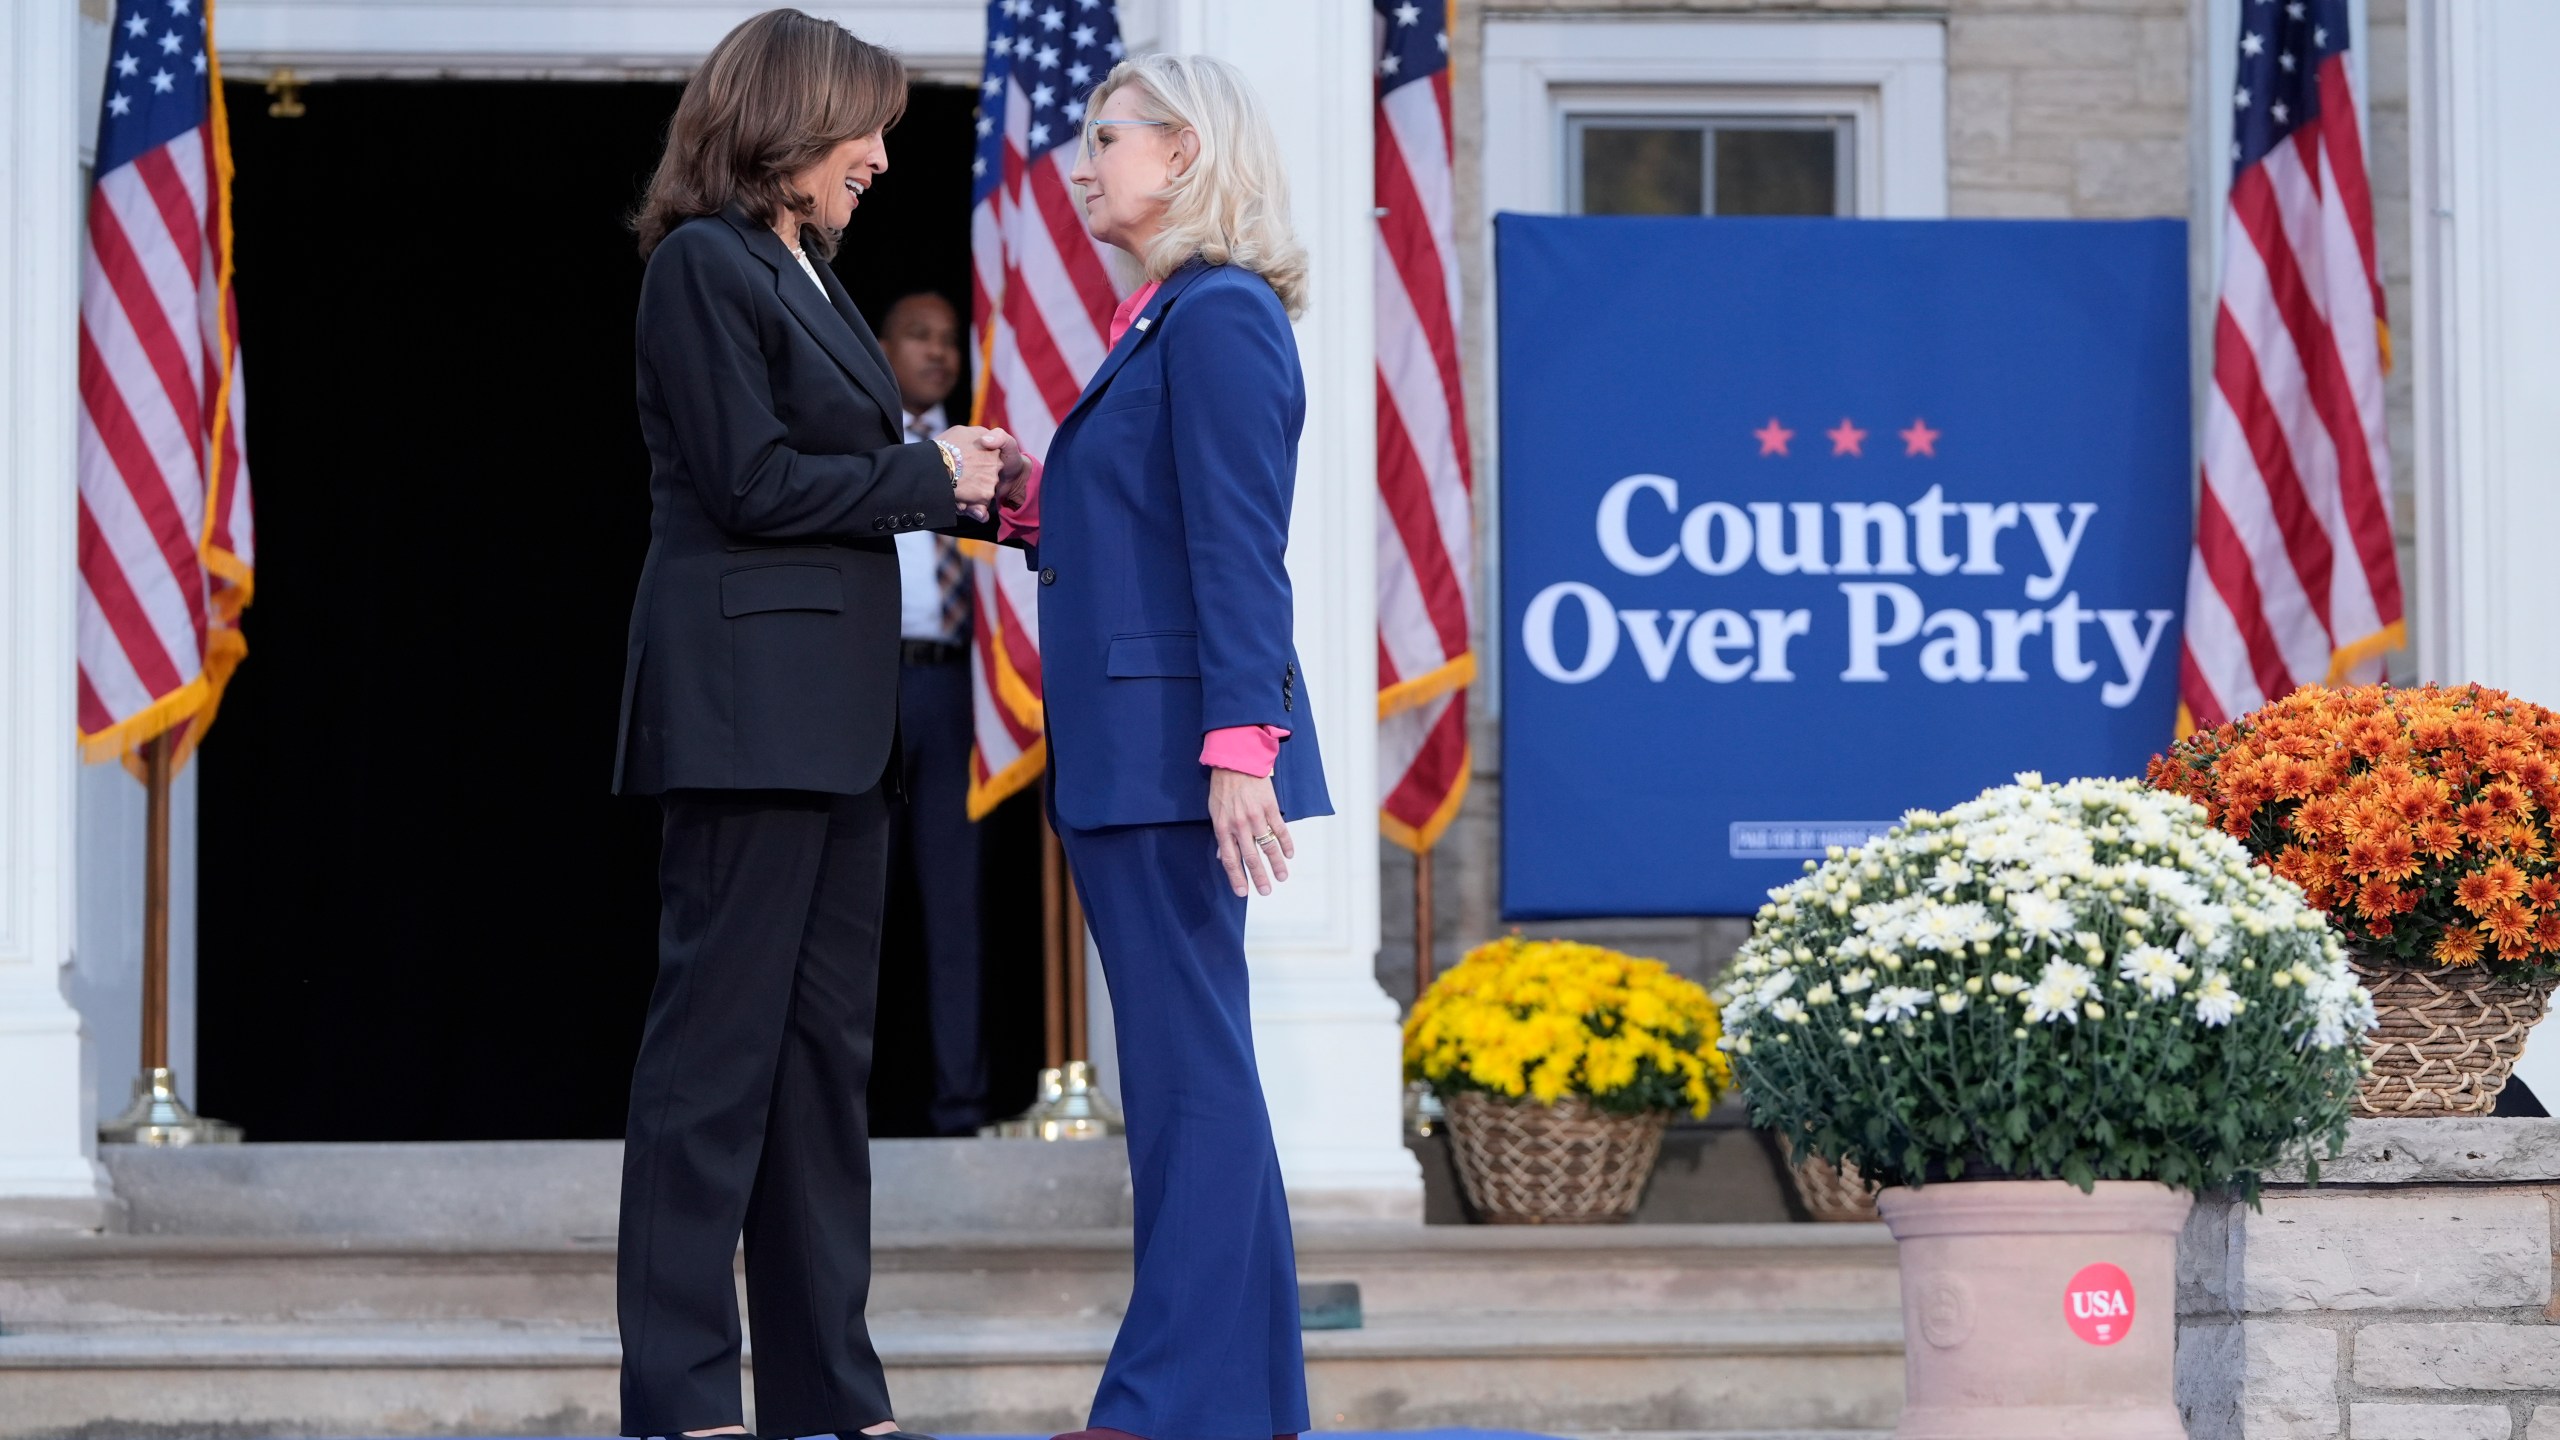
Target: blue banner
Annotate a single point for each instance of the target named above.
(1809, 522)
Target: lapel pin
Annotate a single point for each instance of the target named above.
(1145, 320)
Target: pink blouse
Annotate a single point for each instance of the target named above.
(1246, 749)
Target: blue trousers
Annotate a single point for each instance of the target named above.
(1209, 1347)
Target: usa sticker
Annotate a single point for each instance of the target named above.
(2098, 1304)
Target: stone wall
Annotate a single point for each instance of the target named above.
(2409, 1296)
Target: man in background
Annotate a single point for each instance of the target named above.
(930, 827)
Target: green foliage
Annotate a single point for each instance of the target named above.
(2081, 982)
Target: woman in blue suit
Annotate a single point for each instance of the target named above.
(1180, 741)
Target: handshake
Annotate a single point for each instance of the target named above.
(993, 469)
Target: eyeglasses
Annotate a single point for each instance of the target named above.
(1094, 128)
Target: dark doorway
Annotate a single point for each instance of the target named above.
(422, 916)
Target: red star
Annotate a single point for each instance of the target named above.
(1919, 439)
(1773, 437)
(1846, 438)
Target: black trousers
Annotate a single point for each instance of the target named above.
(748, 1116)
(931, 832)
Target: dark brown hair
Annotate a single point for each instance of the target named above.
(772, 98)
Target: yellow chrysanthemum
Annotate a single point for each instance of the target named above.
(1551, 1019)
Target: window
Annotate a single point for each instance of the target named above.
(1626, 114)
(1722, 165)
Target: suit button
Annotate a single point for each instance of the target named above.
(916, 519)
(1048, 577)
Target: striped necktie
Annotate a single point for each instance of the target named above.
(950, 567)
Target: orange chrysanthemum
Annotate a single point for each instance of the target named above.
(2505, 879)
(2511, 925)
(2423, 819)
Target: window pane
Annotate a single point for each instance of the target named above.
(1628, 170)
(1777, 172)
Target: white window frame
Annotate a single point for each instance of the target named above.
(1889, 76)
(1812, 114)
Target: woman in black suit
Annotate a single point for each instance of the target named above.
(760, 702)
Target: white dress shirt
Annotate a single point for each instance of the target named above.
(812, 271)
(919, 588)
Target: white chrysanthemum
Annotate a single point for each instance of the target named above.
(1788, 1011)
(1949, 928)
(1857, 980)
(2040, 917)
(2216, 1001)
(1820, 994)
(2152, 970)
(1895, 1002)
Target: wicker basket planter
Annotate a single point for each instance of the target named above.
(1836, 1194)
(2447, 1039)
(1561, 1164)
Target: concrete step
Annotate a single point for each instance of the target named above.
(271, 1291)
(54, 1282)
(566, 1190)
(1710, 1375)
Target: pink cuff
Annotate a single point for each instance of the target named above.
(1246, 749)
(1023, 521)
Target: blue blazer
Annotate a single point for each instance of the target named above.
(1165, 609)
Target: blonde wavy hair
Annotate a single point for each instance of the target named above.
(1232, 206)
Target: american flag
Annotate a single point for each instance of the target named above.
(1426, 524)
(165, 548)
(1040, 310)
(2294, 579)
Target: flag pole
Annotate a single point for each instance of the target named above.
(1068, 1107)
(1053, 947)
(158, 1116)
(1422, 966)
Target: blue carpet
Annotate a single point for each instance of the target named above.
(1326, 1434)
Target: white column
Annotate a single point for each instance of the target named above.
(1328, 1036)
(2486, 346)
(48, 1172)
(2487, 341)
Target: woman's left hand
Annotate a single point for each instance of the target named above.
(1252, 838)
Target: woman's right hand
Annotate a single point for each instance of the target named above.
(981, 462)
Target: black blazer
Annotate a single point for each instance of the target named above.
(764, 639)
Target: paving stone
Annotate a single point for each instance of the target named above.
(2130, 177)
(2440, 1250)
(2458, 1355)
(2258, 1380)
(1978, 114)
(2545, 1424)
(2041, 41)
(2431, 1422)
(2404, 1152)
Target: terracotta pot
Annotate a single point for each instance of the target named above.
(2032, 1311)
